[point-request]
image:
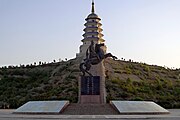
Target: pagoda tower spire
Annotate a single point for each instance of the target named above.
(92, 10)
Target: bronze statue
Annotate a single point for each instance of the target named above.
(94, 55)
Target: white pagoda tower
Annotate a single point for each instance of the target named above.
(92, 32)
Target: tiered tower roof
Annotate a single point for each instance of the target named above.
(93, 27)
(92, 32)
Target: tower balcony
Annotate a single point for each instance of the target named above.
(93, 29)
(92, 34)
(89, 39)
(93, 20)
(92, 24)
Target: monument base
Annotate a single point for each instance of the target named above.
(42, 107)
(92, 99)
(138, 107)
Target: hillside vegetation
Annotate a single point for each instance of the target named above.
(139, 81)
(59, 81)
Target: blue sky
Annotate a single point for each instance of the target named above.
(43, 30)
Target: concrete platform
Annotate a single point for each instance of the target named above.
(42, 107)
(138, 107)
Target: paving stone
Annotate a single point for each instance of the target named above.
(90, 109)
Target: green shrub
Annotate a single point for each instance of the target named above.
(115, 80)
(138, 99)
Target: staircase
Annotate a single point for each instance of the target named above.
(89, 109)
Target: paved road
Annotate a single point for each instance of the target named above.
(7, 115)
(90, 119)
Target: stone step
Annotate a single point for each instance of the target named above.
(89, 109)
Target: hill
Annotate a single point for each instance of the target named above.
(125, 80)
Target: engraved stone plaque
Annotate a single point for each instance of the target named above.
(90, 85)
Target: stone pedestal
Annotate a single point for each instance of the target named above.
(42, 107)
(138, 107)
(92, 88)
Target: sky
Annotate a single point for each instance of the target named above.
(145, 31)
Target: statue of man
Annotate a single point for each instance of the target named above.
(91, 53)
(99, 51)
(94, 55)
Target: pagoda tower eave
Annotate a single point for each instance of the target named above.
(89, 40)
